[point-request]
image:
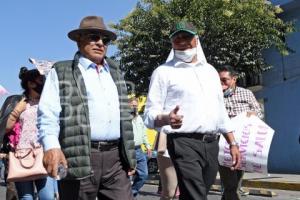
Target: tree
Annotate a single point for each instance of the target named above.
(231, 32)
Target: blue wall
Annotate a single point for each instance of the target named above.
(281, 94)
(279, 2)
(282, 110)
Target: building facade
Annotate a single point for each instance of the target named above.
(280, 95)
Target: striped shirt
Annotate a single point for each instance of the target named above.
(242, 100)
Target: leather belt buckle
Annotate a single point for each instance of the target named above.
(105, 145)
(99, 146)
(204, 138)
(209, 137)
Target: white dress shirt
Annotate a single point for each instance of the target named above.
(196, 89)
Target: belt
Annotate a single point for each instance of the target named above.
(105, 145)
(204, 137)
(137, 146)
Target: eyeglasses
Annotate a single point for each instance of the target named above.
(223, 80)
(92, 37)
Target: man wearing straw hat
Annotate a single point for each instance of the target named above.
(185, 98)
(84, 121)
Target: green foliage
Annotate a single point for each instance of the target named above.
(232, 32)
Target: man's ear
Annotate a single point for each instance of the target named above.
(196, 38)
(234, 78)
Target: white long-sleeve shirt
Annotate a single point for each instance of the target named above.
(196, 89)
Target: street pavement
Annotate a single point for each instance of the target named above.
(2, 190)
(257, 180)
(270, 181)
(148, 192)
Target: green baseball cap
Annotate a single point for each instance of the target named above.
(183, 26)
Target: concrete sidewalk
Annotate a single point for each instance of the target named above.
(256, 180)
(270, 181)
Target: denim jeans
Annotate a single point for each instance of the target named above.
(44, 188)
(2, 169)
(141, 171)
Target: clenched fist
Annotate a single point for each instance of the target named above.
(52, 158)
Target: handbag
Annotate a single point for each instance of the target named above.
(26, 164)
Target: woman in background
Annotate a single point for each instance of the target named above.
(25, 112)
(168, 178)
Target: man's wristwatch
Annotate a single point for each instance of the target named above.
(234, 143)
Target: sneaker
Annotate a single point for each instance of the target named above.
(244, 192)
(158, 192)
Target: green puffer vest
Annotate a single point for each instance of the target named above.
(75, 132)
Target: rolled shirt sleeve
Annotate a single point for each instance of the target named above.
(48, 113)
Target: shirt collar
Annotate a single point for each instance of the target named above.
(86, 63)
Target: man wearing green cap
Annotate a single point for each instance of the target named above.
(185, 99)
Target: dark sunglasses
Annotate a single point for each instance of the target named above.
(96, 37)
(183, 35)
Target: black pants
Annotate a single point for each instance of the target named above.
(231, 181)
(110, 181)
(196, 165)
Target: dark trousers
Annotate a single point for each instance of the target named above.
(196, 165)
(11, 192)
(110, 181)
(231, 181)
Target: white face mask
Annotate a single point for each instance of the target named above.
(186, 55)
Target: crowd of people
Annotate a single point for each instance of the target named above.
(92, 134)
